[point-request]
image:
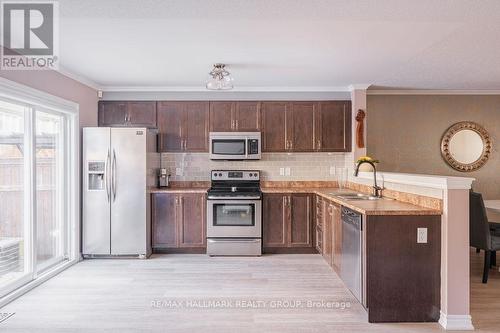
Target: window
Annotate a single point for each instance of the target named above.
(38, 185)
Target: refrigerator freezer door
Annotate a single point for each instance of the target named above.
(128, 200)
(96, 191)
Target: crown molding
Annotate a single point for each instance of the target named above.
(237, 89)
(432, 92)
(79, 78)
(361, 86)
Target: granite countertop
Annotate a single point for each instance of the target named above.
(382, 206)
(178, 190)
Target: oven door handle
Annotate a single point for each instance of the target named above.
(233, 198)
(234, 240)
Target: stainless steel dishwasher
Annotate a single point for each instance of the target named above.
(351, 270)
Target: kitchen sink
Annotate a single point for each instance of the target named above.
(356, 196)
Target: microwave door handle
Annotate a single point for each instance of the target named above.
(246, 147)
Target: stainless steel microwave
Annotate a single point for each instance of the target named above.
(235, 145)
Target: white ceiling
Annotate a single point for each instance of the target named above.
(308, 45)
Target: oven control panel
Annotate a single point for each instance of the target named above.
(235, 175)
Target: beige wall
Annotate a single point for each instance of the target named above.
(59, 85)
(405, 132)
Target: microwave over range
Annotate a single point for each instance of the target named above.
(235, 145)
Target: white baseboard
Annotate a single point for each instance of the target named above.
(456, 322)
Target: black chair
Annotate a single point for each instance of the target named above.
(483, 235)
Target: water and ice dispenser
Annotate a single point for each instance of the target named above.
(96, 174)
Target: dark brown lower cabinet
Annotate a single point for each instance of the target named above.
(403, 276)
(332, 235)
(336, 237)
(318, 225)
(328, 234)
(179, 221)
(287, 223)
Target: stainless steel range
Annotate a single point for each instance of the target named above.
(234, 214)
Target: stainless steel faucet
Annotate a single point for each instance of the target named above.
(377, 190)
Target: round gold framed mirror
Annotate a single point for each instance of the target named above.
(466, 146)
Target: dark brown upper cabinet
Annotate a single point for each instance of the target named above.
(300, 126)
(247, 116)
(229, 116)
(333, 126)
(127, 113)
(183, 126)
(274, 126)
(221, 116)
(306, 126)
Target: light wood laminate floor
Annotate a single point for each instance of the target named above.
(138, 296)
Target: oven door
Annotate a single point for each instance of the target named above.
(234, 218)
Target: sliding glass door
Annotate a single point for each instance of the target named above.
(50, 171)
(15, 220)
(35, 192)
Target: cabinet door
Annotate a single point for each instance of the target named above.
(170, 122)
(337, 238)
(164, 216)
(319, 211)
(328, 234)
(274, 126)
(301, 221)
(300, 126)
(247, 116)
(221, 116)
(274, 220)
(112, 113)
(333, 126)
(192, 219)
(142, 114)
(195, 129)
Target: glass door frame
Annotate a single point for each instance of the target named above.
(35, 100)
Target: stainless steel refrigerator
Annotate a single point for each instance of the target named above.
(118, 169)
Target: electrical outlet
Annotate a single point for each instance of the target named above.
(422, 235)
(178, 171)
(332, 171)
(287, 171)
(282, 171)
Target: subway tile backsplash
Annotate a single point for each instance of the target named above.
(303, 166)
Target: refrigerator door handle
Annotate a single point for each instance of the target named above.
(113, 176)
(108, 172)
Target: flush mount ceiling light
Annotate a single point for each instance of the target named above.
(219, 78)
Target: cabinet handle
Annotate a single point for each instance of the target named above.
(236, 124)
(319, 144)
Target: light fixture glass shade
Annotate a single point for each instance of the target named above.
(220, 83)
(219, 78)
